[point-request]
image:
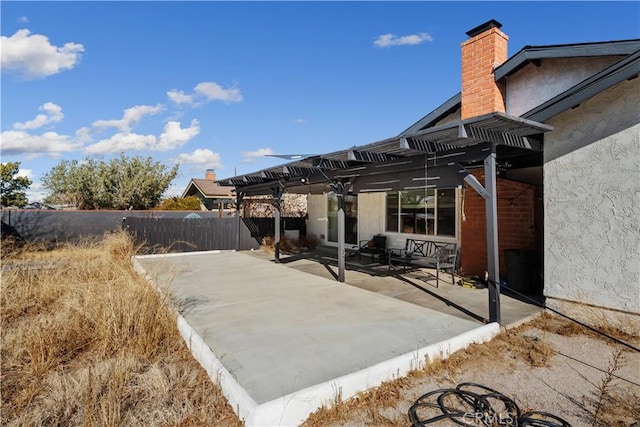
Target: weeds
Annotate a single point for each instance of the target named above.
(88, 341)
(308, 242)
(612, 406)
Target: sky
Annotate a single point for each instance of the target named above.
(220, 84)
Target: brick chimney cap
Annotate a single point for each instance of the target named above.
(484, 27)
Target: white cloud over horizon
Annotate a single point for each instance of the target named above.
(27, 173)
(251, 156)
(122, 141)
(173, 136)
(202, 157)
(15, 142)
(32, 56)
(388, 40)
(52, 114)
(205, 92)
(130, 116)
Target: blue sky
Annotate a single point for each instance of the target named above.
(219, 84)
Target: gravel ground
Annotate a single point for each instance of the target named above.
(546, 365)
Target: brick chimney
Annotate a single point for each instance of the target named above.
(481, 54)
(210, 175)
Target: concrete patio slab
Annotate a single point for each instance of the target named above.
(416, 287)
(282, 342)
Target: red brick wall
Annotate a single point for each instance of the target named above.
(480, 92)
(516, 224)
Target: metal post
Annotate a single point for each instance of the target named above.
(239, 197)
(277, 198)
(277, 234)
(493, 259)
(341, 251)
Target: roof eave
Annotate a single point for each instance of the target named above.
(434, 116)
(531, 53)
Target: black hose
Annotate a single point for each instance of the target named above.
(470, 408)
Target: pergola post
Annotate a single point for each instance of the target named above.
(277, 199)
(239, 197)
(339, 188)
(341, 251)
(493, 257)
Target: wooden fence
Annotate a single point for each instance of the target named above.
(202, 234)
(190, 234)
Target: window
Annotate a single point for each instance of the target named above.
(429, 212)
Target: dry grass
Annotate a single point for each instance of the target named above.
(86, 341)
(558, 325)
(310, 241)
(524, 347)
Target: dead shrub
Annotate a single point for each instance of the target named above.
(310, 241)
(565, 327)
(88, 341)
(286, 244)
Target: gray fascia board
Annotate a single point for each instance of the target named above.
(622, 70)
(528, 53)
(435, 115)
(186, 190)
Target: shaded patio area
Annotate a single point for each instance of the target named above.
(415, 286)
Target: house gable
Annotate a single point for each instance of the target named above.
(533, 85)
(554, 69)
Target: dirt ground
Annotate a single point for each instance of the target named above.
(85, 341)
(550, 365)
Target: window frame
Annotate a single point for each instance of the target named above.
(398, 214)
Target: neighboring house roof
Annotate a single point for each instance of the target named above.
(618, 72)
(209, 189)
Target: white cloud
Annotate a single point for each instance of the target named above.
(214, 92)
(205, 92)
(131, 116)
(172, 136)
(33, 56)
(250, 156)
(20, 142)
(52, 114)
(27, 173)
(202, 157)
(83, 135)
(122, 141)
(301, 121)
(35, 192)
(23, 20)
(179, 97)
(387, 40)
(175, 136)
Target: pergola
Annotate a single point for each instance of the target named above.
(436, 157)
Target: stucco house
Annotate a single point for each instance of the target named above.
(537, 156)
(212, 195)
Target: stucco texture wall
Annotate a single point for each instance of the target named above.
(317, 212)
(371, 212)
(592, 201)
(525, 92)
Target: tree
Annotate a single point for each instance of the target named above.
(121, 183)
(189, 203)
(12, 186)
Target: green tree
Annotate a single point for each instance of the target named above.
(121, 183)
(189, 203)
(12, 186)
